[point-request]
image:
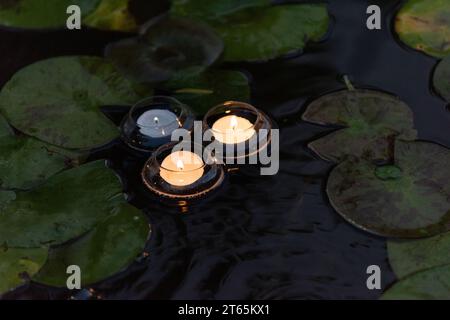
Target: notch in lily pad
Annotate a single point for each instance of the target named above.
(369, 121)
(165, 47)
(406, 199)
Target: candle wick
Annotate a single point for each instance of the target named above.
(180, 165)
(156, 120)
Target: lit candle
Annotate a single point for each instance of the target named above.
(182, 168)
(233, 129)
(158, 123)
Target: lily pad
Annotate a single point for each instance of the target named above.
(372, 121)
(58, 101)
(169, 46)
(66, 206)
(441, 79)
(425, 26)
(26, 162)
(106, 250)
(112, 15)
(407, 199)
(196, 9)
(201, 91)
(408, 257)
(32, 14)
(17, 266)
(259, 34)
(432, 284)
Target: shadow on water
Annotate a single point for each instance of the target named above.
(262, 237)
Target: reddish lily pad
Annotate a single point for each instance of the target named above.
(106, 250)
(408, 257)
(441, 79)
(406, 199)
(373, 121)
(425, 26)
(66, 206)
(431, 284)
(58, 101)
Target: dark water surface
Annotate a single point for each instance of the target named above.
(262, 237)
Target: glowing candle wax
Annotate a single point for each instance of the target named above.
(233, 129)
(158, 123)
(182, 168)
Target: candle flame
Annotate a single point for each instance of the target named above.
(156, 120)
(233, 122)
(180, 165)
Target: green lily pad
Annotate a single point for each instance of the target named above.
(66, 206)
(196, 9)
(372, 121)
(441, 79)
(165, 48)
(407, 199)
(17, 266)
(32, 14)
(425, 26)
(432, 284)
(58, 101)
(106, 250)
(408, 257)
(26, 162)
(112, 15)
(202, 91)
(259, 34)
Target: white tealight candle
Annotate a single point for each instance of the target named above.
(233, 129)
(158, 123)
(182, 168)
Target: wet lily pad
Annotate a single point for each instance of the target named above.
(112, 15)
(425, 25)
(17, 266)
(408, 257)
(169, 46)
(58, 101)
(372, 121)
(66, 206)
(196, 9)
(407, 199)
(441, 79)
(202, 91)
(432, 284)
(26, 162)
(32, 14)
(106, 250)
(259, 34)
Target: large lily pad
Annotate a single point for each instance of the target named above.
(169, 46)
(372, 121)
(66, 206)
(425, 25)
(432, 284)
(259, 34)
(107, 249)
(202, 91)
(409, 198)
(58, 100)
(441, 79)
(112, 15)
(40, 14)
(26, 162)
(408, 257)
(196, 9)
(17, 266)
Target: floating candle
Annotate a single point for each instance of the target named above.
(182, 168)
(158, 123)
(233, 129)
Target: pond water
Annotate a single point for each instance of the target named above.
(261, 237)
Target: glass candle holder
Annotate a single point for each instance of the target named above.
(181, 175)
(238, 126)
(150, 122)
